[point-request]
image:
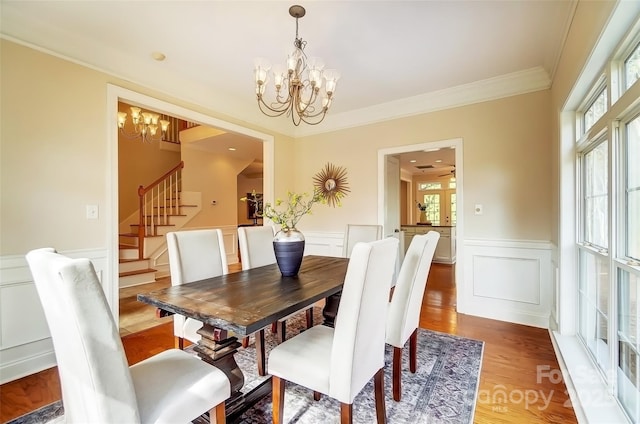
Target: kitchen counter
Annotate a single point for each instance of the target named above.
(446, 248)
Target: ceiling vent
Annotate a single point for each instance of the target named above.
(424, 166)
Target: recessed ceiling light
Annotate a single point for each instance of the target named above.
(159, 56)
(413, 161)
(439, 160)
(233, 149)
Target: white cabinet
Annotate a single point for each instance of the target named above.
(446, 248)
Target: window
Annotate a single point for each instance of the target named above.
(595, 189)
(608, 242)
(429, 186)
(595, 110)
(632, 190)
(632, 67)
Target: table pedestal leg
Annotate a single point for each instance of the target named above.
(217, 348)
(330, 309)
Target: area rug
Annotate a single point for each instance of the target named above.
(442, 391)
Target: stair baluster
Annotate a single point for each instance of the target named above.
(153, 209)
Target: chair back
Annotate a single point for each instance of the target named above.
(256, 246)
(195, 255)
(356, 233)
(94, 374)
(404, 309)
(359, 336)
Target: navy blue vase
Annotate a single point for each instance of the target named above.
(289, 249)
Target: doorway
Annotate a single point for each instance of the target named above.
(457, 168)
(116, 94)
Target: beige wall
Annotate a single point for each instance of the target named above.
(216, 178)
(506, 164)
(55, 151)
(139, 164)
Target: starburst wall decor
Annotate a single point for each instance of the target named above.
(331, 182)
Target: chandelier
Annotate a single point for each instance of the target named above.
(145, 125)
(298, 87)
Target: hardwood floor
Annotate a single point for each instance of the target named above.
(519, 380)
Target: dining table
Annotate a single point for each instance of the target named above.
(242, 303)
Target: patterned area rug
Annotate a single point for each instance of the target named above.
(443, 389)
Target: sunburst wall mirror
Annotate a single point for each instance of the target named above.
(332, 183)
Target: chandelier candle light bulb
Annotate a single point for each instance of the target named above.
(145, 124)
(299, 88)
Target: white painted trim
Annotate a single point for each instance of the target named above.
(516, 83)
(323, 243)
(456, 143)
(589, 395)
(115, 94)
(525, 298)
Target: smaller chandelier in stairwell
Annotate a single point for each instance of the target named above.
(144, 125)
(299, 90)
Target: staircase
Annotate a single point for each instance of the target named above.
(163, 208)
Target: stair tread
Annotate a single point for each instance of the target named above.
(155, 225)
(124, 261)
(180, 206)
(127, 246)
(137, 272)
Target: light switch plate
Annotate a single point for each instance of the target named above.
(92, 211)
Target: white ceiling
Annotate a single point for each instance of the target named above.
(396, 58)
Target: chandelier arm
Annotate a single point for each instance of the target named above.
(271, 112)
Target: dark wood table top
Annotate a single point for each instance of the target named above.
(246, 301)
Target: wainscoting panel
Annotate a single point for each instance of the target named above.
(25, 341)
(508, 280)
(324, 244)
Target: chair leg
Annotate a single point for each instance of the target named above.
(413, 351)
(346, 413)
(309, 314)
(396, 370)
(316, 395)
(245, 342)
(178, 342)
(282, 331)
(381, 410)
(277, 399)
(217, 415)
(260, 356)
(274, 327)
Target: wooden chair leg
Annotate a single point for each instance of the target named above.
(413, 351)
(346, 413)
(277, 399)
(317, 395)
(396, 370)
(217, 415)
(178, 342)
(274, 327)
(282, 331)
(245, 342)
(381, 410)
(309, 314)
(260, 356)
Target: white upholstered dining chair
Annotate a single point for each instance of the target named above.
(97, 384)
(194, 255)
(406, 302)
(356, 233)
(339, 361)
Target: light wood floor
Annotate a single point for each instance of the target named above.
(512, 390)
